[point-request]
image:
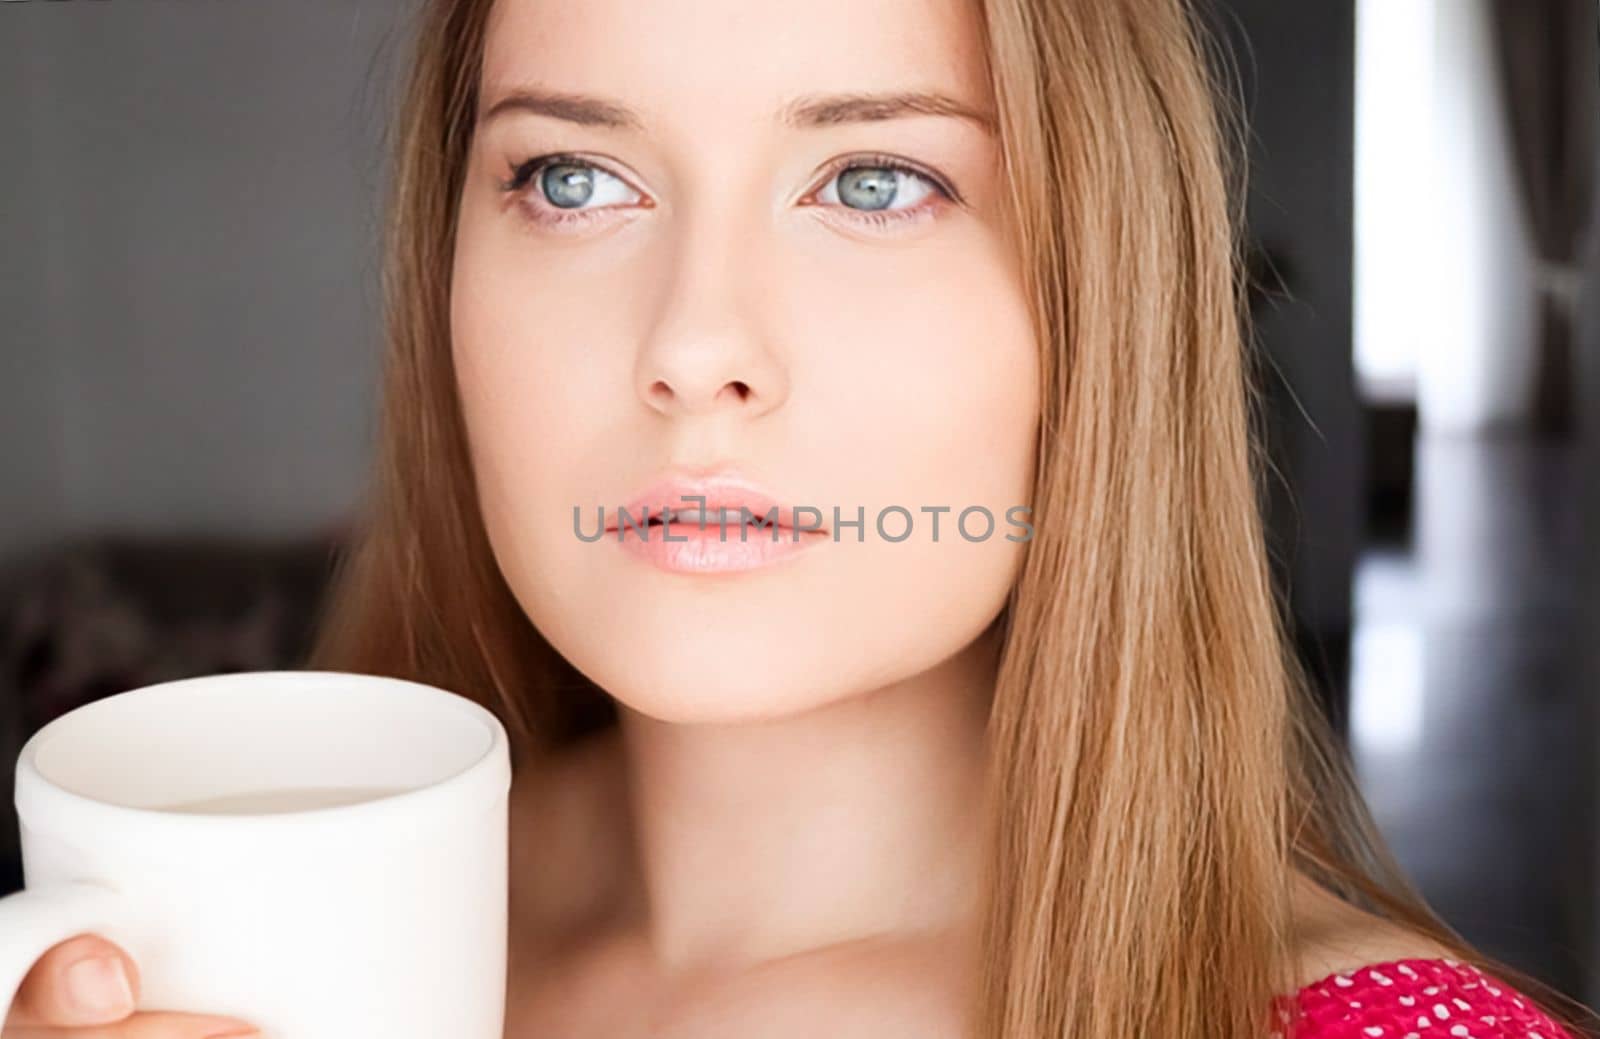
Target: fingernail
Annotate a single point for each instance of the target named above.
(98, 985)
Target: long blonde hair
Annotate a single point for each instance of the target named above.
(1162, 766)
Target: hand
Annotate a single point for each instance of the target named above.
(86, 988)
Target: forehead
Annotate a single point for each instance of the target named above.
(740, 59)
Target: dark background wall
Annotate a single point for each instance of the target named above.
(188, 219)
(1296, 65)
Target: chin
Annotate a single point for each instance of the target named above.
(683, 670)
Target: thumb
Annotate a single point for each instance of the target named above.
(85, 980)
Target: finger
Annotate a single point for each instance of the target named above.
(156, 1024)
(85, 980)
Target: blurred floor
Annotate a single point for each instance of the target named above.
(1469, 722)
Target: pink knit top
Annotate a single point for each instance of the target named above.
(1414, 999)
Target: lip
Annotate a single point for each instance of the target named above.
(723, 490)
(693, 547)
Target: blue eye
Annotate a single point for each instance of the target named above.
(884, 191)
(568, 183)
(873, 188)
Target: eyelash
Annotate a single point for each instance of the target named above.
(524, 174)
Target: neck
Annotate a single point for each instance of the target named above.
(857, 820)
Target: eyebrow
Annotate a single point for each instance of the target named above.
(810, 112)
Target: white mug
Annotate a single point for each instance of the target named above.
(319, 853)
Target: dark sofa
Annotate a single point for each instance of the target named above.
(100, 616)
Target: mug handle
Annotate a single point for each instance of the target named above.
(34, 920)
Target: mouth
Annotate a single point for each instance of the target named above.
(717, 525)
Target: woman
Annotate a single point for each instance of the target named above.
(1044, 770)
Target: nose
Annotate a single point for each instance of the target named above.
(704, 352)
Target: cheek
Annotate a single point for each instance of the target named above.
(934, 399)
(533, 361)
(933, 404)
(529, 334)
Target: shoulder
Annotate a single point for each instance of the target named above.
(1332, 935)
(1362, 977)
(1414, 998)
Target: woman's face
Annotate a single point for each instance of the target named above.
(703, 283)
